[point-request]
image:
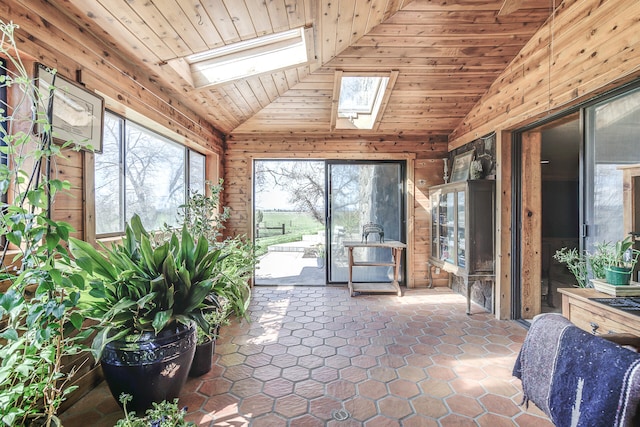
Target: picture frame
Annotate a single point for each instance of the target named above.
(77, 113)
(461, 164)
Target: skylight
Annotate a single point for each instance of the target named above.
(361, 100)
(251, 57)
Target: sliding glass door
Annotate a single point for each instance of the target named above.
(362, 192)
(612, 142)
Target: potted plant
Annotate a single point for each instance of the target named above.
(39, 292)
(160, 414)
(623, 259)
(206, 340)
(146, 300)
(202, 214)
(580, 263)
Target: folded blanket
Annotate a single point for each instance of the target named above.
(576, 378)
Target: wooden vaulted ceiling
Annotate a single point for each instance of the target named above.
(447, 53)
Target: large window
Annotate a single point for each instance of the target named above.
(612, 141)
(141, 172)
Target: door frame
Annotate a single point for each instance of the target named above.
(410, 190)
(404, 219)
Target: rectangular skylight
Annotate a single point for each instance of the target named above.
(360, 101)
(252, 57)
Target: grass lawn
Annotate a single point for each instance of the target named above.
(296, 224)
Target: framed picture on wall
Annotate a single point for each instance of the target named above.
(77, 114)
(460, 168)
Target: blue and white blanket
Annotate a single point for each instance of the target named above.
(576, 378)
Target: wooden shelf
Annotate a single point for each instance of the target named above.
(384, 287)
(373, 264)
(375, 287)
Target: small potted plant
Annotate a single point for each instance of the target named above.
(146, 301)
(160, 414)
(206, 340)
(580, 263)
(623, 259)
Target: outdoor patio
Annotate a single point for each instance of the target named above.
(313, 356)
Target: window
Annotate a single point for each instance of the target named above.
(611, 129)
(361, 99)
(252, 57)
(140, 171)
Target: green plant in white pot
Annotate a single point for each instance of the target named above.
(147, 300)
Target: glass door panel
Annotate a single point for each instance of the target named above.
(612, 129)
(461, 229)
(448, 245)
(360, 193)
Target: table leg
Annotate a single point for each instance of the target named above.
(397, 256)
(468, 285)
(351, 293)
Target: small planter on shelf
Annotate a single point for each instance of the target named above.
(623, 259)
(617, 275)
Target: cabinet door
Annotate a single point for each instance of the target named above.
(435, 224)
(461, 229)
(447, 229)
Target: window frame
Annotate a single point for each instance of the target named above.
(122, 168)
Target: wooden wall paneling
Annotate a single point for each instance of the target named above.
(531, 244)
(103, 70)
(592, 52)
(242, 150)
(410, 224)
(68, 205)
(89, 197)
(504, 199)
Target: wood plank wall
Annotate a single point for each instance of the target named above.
(588, 47)
(424, 158)
(48, 36)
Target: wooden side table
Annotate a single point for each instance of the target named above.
(384, 287)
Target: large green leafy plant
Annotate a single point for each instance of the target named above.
(137, 286)
(38, 316)
(204, 215)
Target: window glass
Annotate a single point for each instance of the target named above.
(155, 177)
(141, 172)
(196, 172)
(109, 179)
(612, 141)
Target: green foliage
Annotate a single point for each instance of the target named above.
(163, 414)
(138, 287)
(216, 317)
(235, 271)
(606, 254)
(576, 263)
(39, 308)
(203, 215)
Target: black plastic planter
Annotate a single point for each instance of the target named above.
(202, 359)
(151, 369)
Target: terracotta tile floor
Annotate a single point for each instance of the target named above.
(313, 356)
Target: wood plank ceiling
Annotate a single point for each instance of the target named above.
(447, 52)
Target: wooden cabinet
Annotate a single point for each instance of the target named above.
(463, 231)
(597, 318)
